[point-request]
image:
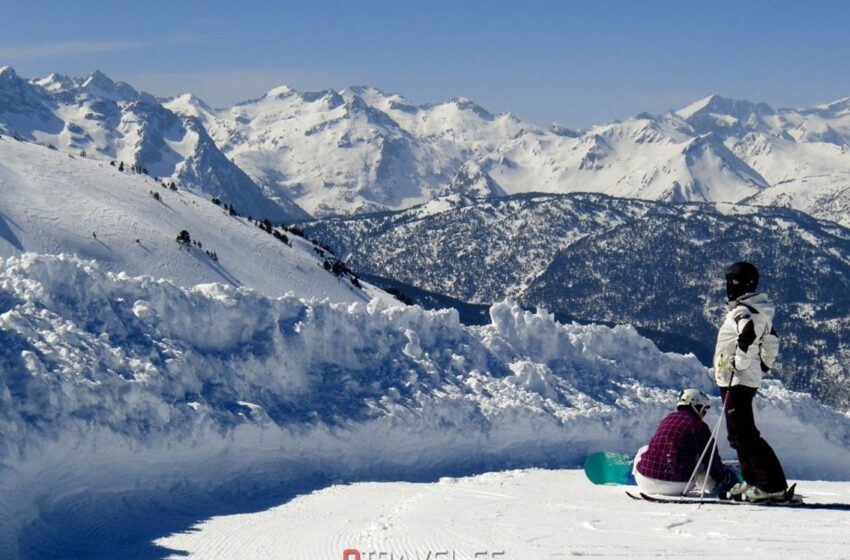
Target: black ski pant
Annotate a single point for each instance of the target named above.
(760, 466)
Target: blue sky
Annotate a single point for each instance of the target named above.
(577, 63)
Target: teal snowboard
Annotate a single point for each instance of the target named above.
(606, 467)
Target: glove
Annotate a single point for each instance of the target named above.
(726, 364)
(724, 370)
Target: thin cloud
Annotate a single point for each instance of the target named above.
(76, 48)
(67, 48)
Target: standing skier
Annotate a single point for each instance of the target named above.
(747, 347)
(666, 464)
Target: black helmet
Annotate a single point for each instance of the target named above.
(741, 278)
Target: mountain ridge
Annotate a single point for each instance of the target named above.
(360, 149)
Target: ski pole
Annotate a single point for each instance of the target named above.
(708, 445)
(712, 442)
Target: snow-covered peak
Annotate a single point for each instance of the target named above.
(10, 81)
(188, 104)
(380, 99)
(565, 131)
(111, 120)
(279, 92)
(98, 84)
(717, 105)
(837, 107)
(368, 92)
(21, 103)
(55, 83)
(98, 79)
(365, 144)
(731, 119)
(696, 107)
(836, 113)
(7, 73)
(95, 85)
(356, 103)
(465, 104)
(283, 101)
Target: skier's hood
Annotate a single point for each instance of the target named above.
(758, 301)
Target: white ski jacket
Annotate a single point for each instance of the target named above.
(746, 343)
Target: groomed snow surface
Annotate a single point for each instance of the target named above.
(520, 514)
(132, 409)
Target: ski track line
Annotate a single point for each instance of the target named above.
(386, 518)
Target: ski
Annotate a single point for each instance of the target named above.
(799, 504)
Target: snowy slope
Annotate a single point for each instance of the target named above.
(53, 203)
(519, 514)
(113, 121)
(133, 408)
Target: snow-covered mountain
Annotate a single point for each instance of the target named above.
(353, 151)
(54, 203)
(804, 154)
(654, 265)
(113, 121)
(645, 157)
(363, 150)
(715, 150)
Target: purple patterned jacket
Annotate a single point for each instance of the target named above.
(675, 449)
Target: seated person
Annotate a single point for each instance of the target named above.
(665, 465)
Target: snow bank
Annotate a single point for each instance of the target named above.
(118, 390)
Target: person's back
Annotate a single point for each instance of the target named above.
(675, 448)
(666, 464)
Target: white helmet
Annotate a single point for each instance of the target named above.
(695, 399)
